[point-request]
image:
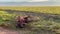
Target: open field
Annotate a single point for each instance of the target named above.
(48, 23)
(49, 9)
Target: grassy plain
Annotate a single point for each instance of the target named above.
(43, 9)
(50, 19)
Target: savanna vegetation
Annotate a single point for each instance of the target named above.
(48, 21)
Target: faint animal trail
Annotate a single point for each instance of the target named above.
(6, 31)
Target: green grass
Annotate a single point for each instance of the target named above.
(8, 20)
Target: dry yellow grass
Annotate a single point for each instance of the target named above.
(42, 9)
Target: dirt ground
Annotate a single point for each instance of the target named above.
(6, 31)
